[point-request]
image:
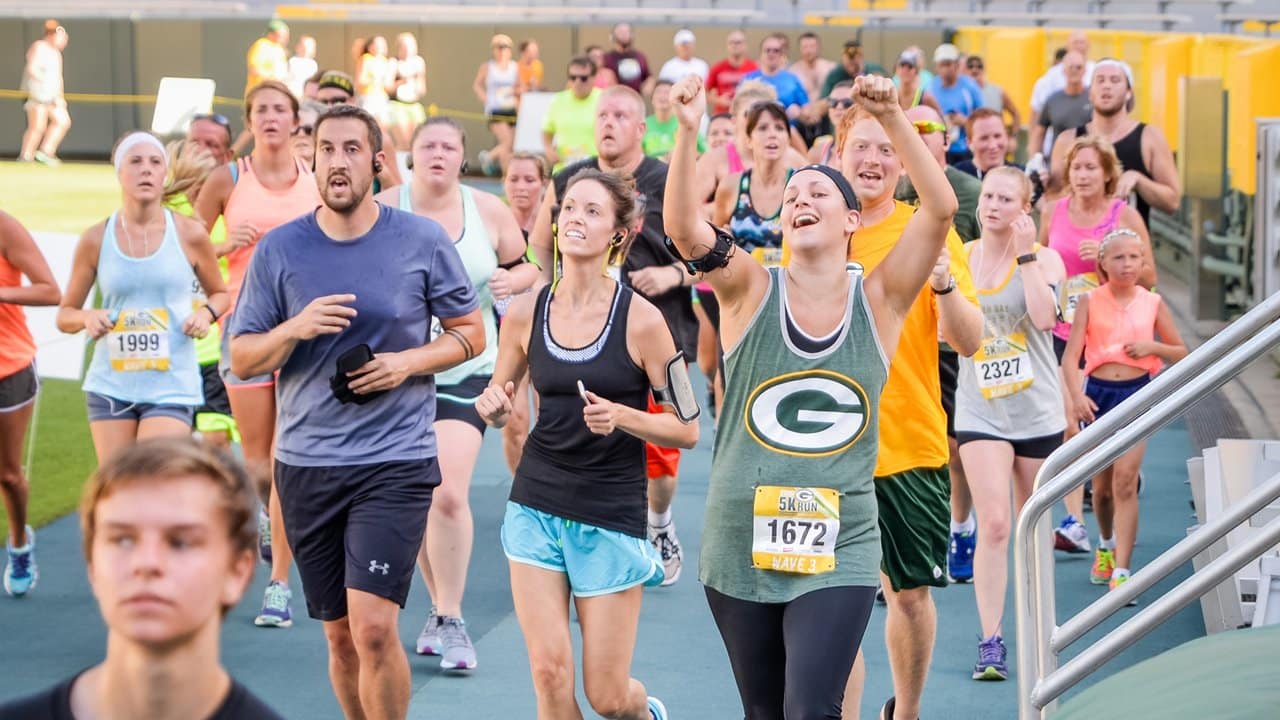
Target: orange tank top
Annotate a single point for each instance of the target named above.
(17, 347)
(251, 202)
(1112, 326)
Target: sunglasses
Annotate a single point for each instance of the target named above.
(924, 127)
(773, 50)
(334, 101)
(975, 66)
(579, 78)
(304, 130)
(217, 118)
(842, 103)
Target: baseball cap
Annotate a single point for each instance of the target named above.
(684, 37)
(337, 79)
(277, 25)
(946, 52)
(909, 58)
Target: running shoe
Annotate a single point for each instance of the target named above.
(429, 642)
(488, 165)
(991, 660)
(458, 652)
(47, 159)
(20, 572)
(1117, 581)
(264, 535)
(1071, 536)
(960, 556)
(880, 595)
(886, 712)
(1104, 561)
(668, 546)
(275, 606)
(657, 710)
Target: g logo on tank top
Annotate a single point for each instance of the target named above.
(809, 413)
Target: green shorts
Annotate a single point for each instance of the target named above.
(915, 520)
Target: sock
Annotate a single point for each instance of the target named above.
(964, 528)
(1106, 543)
(661, 519)
(1069, 520)
(1119, 573)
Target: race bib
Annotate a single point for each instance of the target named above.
(795, 529)
(1003, 366)
(1069, 294)
(768, 257)
(139, 341)
(436, 329)
(628, 69)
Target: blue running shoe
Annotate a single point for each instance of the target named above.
(960, 556)
(991, 660)
(275, 606)
(657, 710)
(20, 572)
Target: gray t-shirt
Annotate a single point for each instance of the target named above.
(403, 271)
(1064, 112)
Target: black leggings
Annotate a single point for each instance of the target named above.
(819, 632)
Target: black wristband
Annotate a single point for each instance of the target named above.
(212, 313)
(1028, 258)
(948, 289)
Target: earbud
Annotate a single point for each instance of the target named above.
(408, 162)
(618, 237)
(377, 167)
(465, 166)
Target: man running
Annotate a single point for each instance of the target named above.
(648, 268)
(355, 452)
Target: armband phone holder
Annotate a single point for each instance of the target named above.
(715, 258)
(678, 393)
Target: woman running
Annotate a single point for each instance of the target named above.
(1008, 394)
(19, 386)
(576, 524)
(495, 86)
(492, 250)
(1072, 227)
(410, 87)
(255, 195)
(143, 380)
(791, 546)
(720, 131)
(741, 198)
(1115, 328)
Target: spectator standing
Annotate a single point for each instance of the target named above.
(852, 64)
(1066, 109)
(302, 65)
(410, 86)
(604, 77)
(685, 62)
(957, 95)
(911, 86)
(629, 65)
(267, 58)
(994, 97)
(773, 70)
(569, 127)
(660, 127)
(530, 75)
(724, 76)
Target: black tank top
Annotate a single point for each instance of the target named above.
(1129, 152)
(566, 470)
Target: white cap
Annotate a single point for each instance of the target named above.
(684, 37)
(946, 52)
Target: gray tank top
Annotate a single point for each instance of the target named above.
(1010, 388)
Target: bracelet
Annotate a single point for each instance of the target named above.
(1028, 258)
(951, 285)
(212, 313)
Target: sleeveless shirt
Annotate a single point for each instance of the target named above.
(1010, 388)
(500, 88)
(567, 470)
(751, 229)
(480, 260)
(17, 346)
(149, 297)
(796, 419)
(1111, 327)
(1064, 239)
(1129, 152)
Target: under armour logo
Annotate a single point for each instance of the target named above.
(384, 568)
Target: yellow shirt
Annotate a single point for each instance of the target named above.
(267, 60)
(913, 427)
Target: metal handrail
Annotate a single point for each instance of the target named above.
(1172, 392)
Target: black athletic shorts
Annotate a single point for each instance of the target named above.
(19, 389)
(458, 402)
(215, 392)
(948, 375)
(357, 527)
(1037, 448)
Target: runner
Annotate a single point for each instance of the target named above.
(568, 128)
(720, 130)
(575, 523)
(1073, 227)
(525, 181)
(254, 195)
(660, 127)
(492, 250)
(376, 73)
(495, 85)
(168, 540)
(356, 453)
(1008, 394)
(19, 386)
(409, 88)
(143, 380)
(531, 74)
(47, 116)
(793, 619)
(302, 139)
(336, 88)
(739, 199)
(649, 268)
(1116, 329)
(838, 102)
(725, 76)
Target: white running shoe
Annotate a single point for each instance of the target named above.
(668, 546)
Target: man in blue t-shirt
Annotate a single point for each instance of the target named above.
(340, 301)
(773, 70)
(957, 94)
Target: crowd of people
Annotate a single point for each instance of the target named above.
(897, 325)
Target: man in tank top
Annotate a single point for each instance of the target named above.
(355, 476)
(1149, 170)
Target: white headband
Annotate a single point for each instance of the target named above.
(137, 138)
(1117, 64)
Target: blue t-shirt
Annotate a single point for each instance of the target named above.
(790, 90)
(403, 271)
(964, 97)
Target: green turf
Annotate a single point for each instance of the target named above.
(65, 199)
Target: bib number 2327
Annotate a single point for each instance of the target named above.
(795, 529)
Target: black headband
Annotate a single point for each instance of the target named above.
(846, 190)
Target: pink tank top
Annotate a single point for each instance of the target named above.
(1065, 237)
(253, 203)
(1111, 327)
(735, 160)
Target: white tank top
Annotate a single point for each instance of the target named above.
(500, 88)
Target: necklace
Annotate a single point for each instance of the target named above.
(982, 276)
(129, 236)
